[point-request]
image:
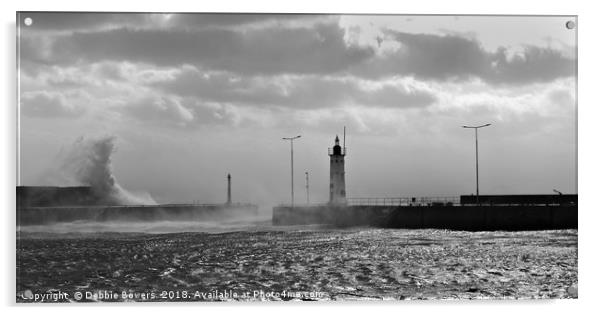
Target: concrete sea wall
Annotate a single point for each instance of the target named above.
(470, 218)
(48, 196)
(49, 215)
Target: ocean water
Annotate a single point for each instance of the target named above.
(242, 261)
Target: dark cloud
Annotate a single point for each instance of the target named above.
(298, 92)
(453, 57)
(204, 20)
(430, 57)
(48, 105)
(84, 21)
(320, 49)
(316, 49)
(535, 65)
(78, 21)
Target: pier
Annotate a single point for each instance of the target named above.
(508, 212)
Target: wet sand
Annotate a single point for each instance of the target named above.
(319, 264)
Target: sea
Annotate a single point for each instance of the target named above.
(240, 261)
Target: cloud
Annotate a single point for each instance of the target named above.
(77, 21)
(562, 97)
(48, 105)
(191, 70)
(534, 65)
(318, 50)
(85, 22)
(179, 112)
(456, 58)
(219, 42)
(300, 92)
(233, 20)
(162, 110)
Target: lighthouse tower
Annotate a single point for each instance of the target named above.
(337, 173)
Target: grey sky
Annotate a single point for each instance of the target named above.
(191, 97)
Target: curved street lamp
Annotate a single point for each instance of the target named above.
(476, 137)
(292, 181)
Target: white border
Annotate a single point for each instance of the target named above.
(589, 144)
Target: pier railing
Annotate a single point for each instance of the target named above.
(404, 201)
(464, 201)
(389, 201)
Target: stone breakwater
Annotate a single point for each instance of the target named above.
(468, 218)
(184, 212)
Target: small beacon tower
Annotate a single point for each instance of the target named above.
(229, 202)
(337, 173)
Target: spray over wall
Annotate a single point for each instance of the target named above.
(88, 163)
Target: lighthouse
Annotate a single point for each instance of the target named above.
(337, 173)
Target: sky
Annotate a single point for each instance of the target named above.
(190, 98)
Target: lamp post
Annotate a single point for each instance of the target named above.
(292, 181)
(476, 137)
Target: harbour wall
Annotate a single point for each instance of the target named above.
(178, 212)
(49, 196)
(469, 218)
